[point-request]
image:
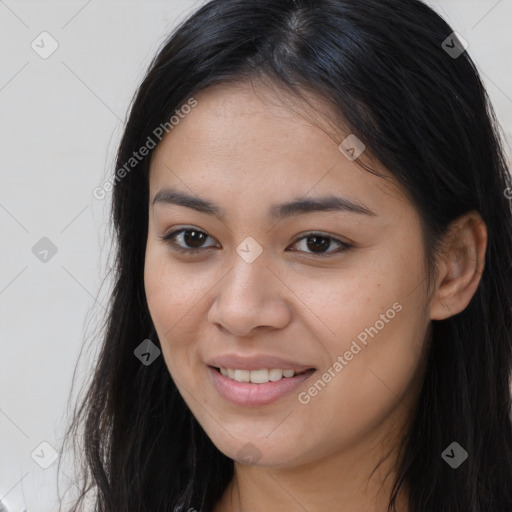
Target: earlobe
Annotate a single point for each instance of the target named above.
(460, 266)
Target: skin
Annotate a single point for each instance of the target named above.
(244, 149)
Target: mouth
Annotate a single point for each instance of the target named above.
(261, 376)
(259, 387)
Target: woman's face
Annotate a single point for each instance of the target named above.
(269, 286)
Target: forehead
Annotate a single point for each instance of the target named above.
(249, 141)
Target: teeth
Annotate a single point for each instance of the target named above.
(257, 376)
(274, 375)
(242, 375)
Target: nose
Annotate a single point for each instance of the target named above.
(249, 298)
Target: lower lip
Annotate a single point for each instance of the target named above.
(252, 395)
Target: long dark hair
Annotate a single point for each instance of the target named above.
(423, 112)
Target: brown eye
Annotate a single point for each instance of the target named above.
(317, 243)
(194, 238)
(191, 240)
(188, 240)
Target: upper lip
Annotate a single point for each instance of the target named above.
(256, 362)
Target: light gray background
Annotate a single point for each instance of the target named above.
(61, 120)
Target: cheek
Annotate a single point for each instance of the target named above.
(169, 294)
(375, 346)
(357, 305)
(171, 288)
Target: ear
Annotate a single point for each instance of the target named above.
(459, 266)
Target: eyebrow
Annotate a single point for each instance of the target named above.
(277, 211)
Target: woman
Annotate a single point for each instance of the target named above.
(312, 301)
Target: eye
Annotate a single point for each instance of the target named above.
(317, 242)
(192, 238)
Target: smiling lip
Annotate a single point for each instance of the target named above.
(248, 394)
(256, 363)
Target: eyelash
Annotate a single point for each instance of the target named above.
(192, 251)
